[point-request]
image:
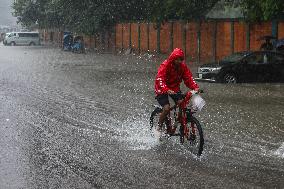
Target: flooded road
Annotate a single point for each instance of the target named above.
(82, 121)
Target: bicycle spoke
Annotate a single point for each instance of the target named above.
(195, 136)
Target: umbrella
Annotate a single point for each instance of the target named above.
(279, 43)
(267, 37)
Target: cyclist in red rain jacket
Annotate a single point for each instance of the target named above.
(167, 83)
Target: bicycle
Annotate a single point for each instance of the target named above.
(189, 127)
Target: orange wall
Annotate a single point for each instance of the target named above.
(191, 41)
(256, 31)
(153, 38)
(118, 35)
(134, 35)
(223, 41)
(177, 35)
(144, 37)
(126, 35)
(165, 35)
(207, 32)
(281, 30)
(206, 41)
(240, 36)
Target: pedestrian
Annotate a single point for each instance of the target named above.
(267, 45)
(167, 83)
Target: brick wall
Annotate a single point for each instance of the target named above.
(165, 36)
(223, 39)
(126, 36)
(281, 30)
(256, 31)
(191, 41)
(134, 36)
(240, 42)
(152, 38)
(206, 41)
(177, 35)
(118, 36)
(215, 38)
(144, 37)
(202, 41)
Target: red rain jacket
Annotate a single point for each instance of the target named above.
(169, 77)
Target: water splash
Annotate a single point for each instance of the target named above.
(139, 136)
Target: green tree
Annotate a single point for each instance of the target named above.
(93, 16)
(263, 10)
(260, 10)
(87, 16)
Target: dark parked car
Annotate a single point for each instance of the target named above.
(259, 66)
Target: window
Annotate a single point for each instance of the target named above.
(12, 34)
(277, 58)
(258, 58)
(28, 35)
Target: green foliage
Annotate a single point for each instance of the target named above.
(163, 10)
(256, 10)
(93, 16)
(87, 16)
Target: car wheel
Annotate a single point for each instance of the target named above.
(229, 78)
(13, 43)
(32, 43)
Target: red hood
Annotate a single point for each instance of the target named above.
(177, 53)
(170, 78)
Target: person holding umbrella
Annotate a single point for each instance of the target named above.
(267, 45)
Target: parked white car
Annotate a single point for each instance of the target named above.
(22, 38)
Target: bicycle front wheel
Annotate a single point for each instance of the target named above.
(194, 135)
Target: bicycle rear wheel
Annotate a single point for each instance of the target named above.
(194, 135)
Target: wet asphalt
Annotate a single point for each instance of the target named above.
(81, 121)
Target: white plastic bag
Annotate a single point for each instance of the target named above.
(197, 102)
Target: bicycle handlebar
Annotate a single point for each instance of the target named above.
(186, 97)
(192, 92)
(200, 91)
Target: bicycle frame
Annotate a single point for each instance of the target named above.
(184, 115)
